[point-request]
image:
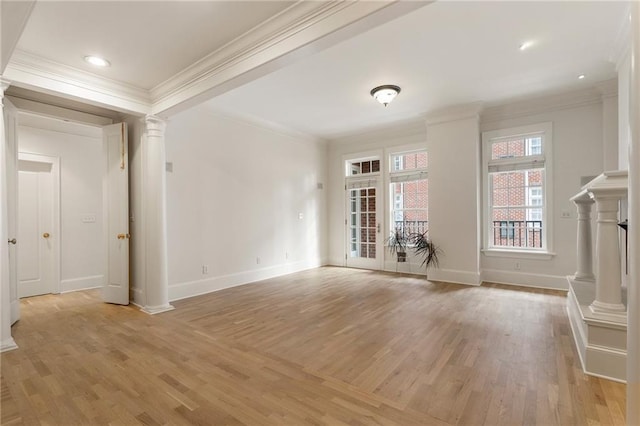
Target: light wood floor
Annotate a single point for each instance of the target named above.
(328, 346)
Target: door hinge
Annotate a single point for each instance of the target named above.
(345, 256)
(345, 186)
(345, 221)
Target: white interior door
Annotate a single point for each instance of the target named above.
(364, 242)
(37, 233)
(116, 214)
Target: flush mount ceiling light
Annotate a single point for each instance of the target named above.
(385, 94)
(581, 77)
(97, 61)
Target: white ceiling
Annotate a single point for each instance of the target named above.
(146, 41)
(444, 54)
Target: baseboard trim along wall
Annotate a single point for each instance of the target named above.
(208, 285)
(553, 282)
(454, 276)
(82, 283)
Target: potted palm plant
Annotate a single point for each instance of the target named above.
(397, 243)
(424, 247)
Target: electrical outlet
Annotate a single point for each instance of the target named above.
(257, 260)
(517, 266)
(205, 269)
(565, 214)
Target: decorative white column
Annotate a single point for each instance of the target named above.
(608, 282)
(633, 290)
(155, 217)
(6, 340)
(584, 270)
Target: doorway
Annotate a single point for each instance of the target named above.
(39, 225)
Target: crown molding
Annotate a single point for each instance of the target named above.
(34, 72)
(608, 88)
(538, 105)
(454, 113)
(299, 26)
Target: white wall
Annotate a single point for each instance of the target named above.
(454, 197)
(239, 192)
(455, 181)
(624, 131)
(577, 152)
(80, 151)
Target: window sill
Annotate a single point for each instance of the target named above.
(519, 254)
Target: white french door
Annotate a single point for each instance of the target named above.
(365, 248)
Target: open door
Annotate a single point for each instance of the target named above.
(116, 214)
(11, 132)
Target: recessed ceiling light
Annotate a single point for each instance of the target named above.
(97, 61)
(526, 45)
(581, 77)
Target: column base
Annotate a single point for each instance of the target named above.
(152, 310)
(8, 345)
(610, 309)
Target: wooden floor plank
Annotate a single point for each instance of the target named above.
(327, 346)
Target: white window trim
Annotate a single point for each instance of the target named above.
(546, 252)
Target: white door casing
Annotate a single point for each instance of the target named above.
(116, 214)
(39, 225)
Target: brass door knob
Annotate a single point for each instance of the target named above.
(46, 235)
(12, 241)
(123, 236)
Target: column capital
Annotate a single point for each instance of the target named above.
(582, 197)
(155, 125)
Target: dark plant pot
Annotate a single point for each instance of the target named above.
(402, 257)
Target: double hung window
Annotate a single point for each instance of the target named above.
(516, 163)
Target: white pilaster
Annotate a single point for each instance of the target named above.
(6, 340)
(584, 270)
(608, 282)
(633, 290)
(155, 211)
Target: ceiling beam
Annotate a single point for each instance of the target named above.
(310, 27)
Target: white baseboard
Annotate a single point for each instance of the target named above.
(553, 282)
(336, 261)
(454, 276)
(82, 283)
(405, 267)
(8, 345)
(208, 285)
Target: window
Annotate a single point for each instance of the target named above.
(408, 191)
(516, 169)
(363, 167)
